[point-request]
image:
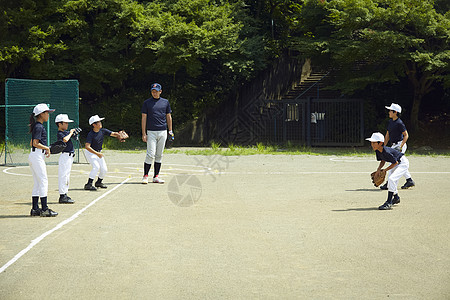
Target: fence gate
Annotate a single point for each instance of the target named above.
(312, 122)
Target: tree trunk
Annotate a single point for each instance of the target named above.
(422, 85)
(414, 116)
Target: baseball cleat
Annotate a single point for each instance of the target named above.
(145, 179)
(48, 213)
(157, 180)
(408, 184)
(64, 199)
(396, 200)
(384, 187)
(100, 185)
(386, 206)
(89, 187)
(35, 212)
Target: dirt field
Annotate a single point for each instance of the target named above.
(249, 227)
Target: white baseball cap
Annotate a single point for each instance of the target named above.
(40, 108)
(94, 119)
(395, 107)
(376, 137)
(62, 118)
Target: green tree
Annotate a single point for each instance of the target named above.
(27, 35)
(386, 39)
(207, 48)
(103, 39)
(199, 49)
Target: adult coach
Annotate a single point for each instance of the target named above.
(156, 120)
(398, 135)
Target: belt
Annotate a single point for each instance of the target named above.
(70, 153)
(34, 149)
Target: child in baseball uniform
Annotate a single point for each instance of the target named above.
(399, 165)
(66, 158)
(39, 150)
(94, 155)
(398, 135)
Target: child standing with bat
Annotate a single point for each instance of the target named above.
(396, 170)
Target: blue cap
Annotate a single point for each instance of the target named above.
(156, 86)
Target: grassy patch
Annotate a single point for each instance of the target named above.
(133, 145)
(289, 149)
(235, 150)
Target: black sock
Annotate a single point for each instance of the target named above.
(99, 180)
(90, 180)
(390, 195)
(147, 168)
(44, 203)
(157, 168)
(35, 202)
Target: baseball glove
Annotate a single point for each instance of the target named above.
(170, 139)
(122, 136)
(378, 178)
(57, 147)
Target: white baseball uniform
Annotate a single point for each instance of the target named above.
(156, 141)
(64, 168)
(39, 171)
(98, 165)
(396, 173)
(396, 146)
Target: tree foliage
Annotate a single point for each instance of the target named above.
(198, 49)
(201, 50)
(373, 41)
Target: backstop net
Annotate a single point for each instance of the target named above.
(21, 95)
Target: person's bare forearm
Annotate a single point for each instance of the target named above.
(144, 124)
(169, 121)
(405, 138)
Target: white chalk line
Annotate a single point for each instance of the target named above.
(308, 172)
(80, 173)
(176, 171)
(60, 225)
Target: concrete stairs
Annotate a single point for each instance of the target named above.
(314, 86)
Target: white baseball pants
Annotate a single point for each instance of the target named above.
(397, 145)
(39, 171)
(64, 168)
(156, 141)
(396, 173)
(98, 165)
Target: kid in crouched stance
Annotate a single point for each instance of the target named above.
(93, 148)
(398, 167)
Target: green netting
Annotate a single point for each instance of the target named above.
(21, 95)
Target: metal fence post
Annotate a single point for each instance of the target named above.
(308, 122)
(284, 123)
(361, 115)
